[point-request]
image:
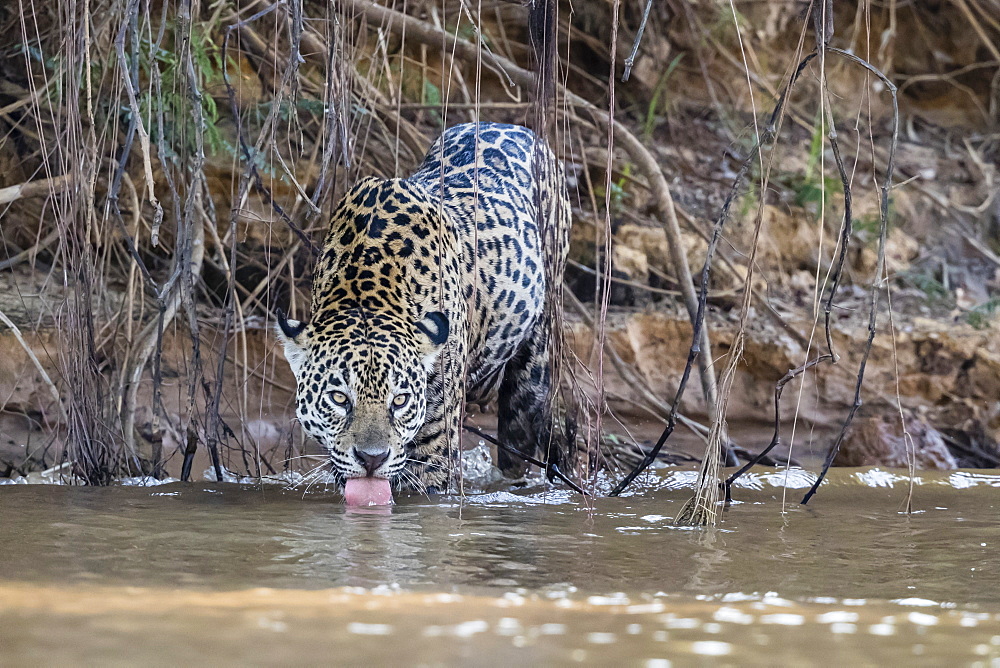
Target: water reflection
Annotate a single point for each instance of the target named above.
(853, 543)
(498, 579)
(709, 562)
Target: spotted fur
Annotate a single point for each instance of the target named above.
(433, 288)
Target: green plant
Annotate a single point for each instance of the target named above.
(654, 100)
(750, 199)
(981, 316)
(287, 108)
(468, 32)
(725, 21)
(867, 227)
(813, 189)
(926, 283)
(52, 64)
(814, 162)
(177, 131)
(618, 193)
(34, 52)
(432, 96)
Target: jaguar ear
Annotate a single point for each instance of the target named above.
(292, 335)
(434, 326)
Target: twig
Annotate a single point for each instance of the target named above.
(130, 79)
(36, 188)
(702, 508)
(766, 137)
(188, 254)
(879, 266)
(630, 60)
(550, 469)
(776, 437)
(983, 249)
(647, 164)
(335, 127)
(42, 244)
(639, 286)
(972, 450)
(603, 299)
(216, 429)
(653, 405)
(250, 155)
(38, 365)
(763, 300)
(836, 273)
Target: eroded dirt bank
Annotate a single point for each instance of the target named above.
(945, 377)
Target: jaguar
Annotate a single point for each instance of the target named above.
(432, 292)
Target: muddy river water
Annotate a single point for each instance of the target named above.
(215, 574)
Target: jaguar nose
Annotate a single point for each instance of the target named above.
(371, 460)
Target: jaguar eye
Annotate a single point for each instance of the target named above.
(340, 398)
(400, 400)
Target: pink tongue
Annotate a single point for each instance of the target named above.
(367, 492)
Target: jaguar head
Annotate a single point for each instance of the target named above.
(362, 385)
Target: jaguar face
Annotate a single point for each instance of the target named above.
(362, 383)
